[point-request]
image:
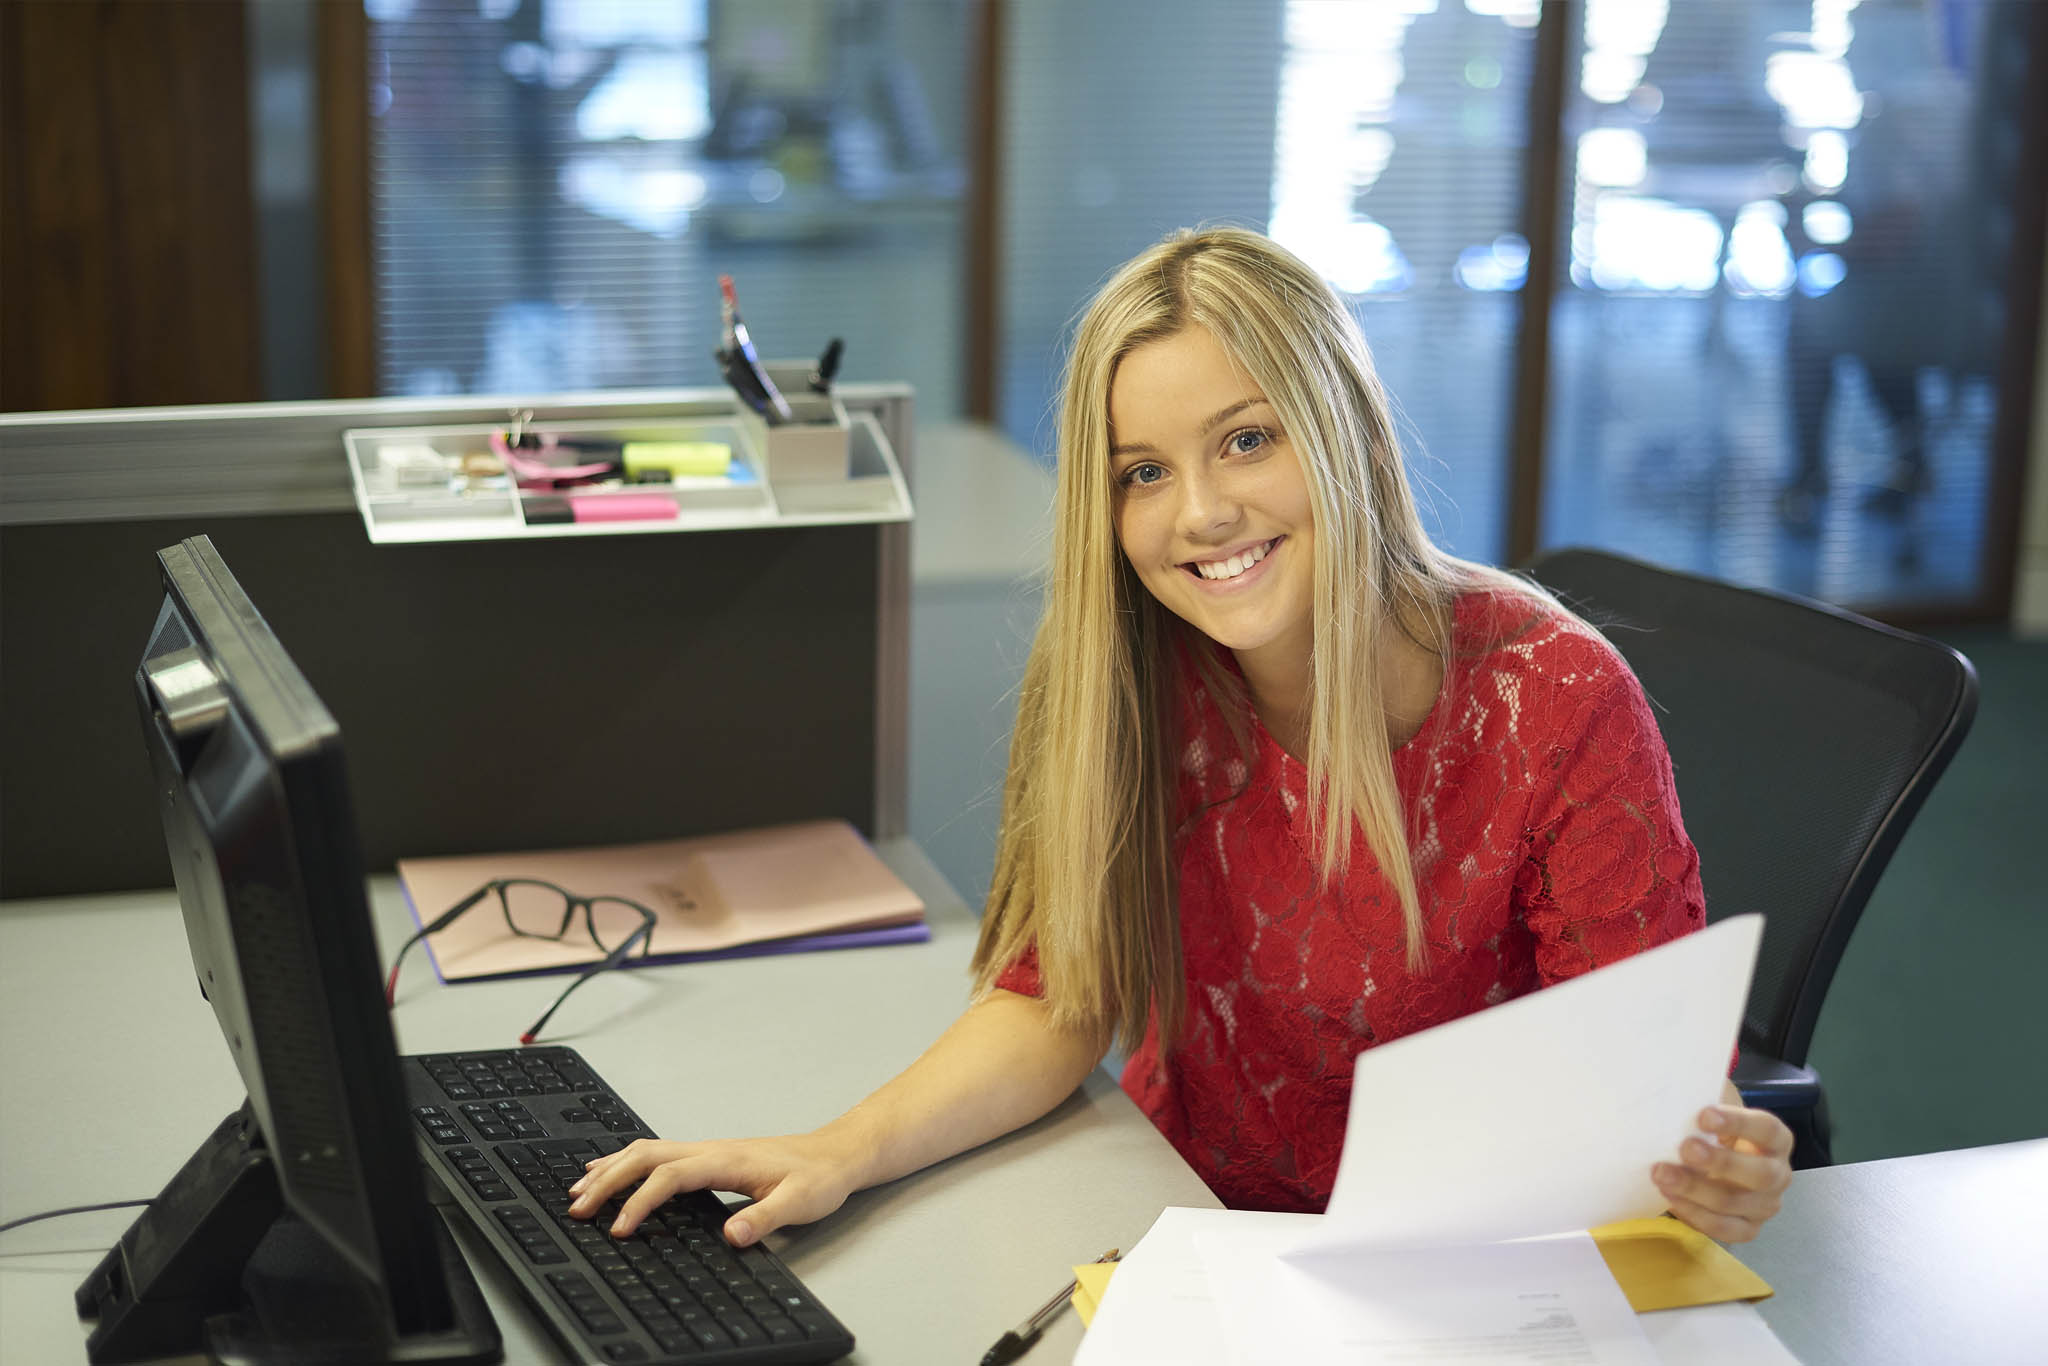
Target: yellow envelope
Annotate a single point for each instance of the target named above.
(1090, 1282)
(1663, 1264)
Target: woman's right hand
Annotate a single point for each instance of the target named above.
(1002, 1064)
(793, 1180)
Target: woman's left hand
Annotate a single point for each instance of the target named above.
(1728, 1189)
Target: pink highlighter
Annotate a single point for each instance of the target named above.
(622, 507)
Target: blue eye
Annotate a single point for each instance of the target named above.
(1247, 441)
(1141, 474)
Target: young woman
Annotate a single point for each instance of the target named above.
(1287, 782)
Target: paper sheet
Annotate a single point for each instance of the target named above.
(1209, 1286)
(1494, 1304)
(1714, 1335)
(1159, 1310)
(1658, 1263)
(1543, 1114)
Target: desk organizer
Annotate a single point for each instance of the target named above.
(838, 472)
(816, 445)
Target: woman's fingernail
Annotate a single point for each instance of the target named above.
(1711, 1120)
(1661, 1173)
(1696, 1151)
(576, 1189)
(739, 1233)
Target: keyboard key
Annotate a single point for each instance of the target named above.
(602, 1322)
(624, 1351)
(743, 1330)
(780, 1329)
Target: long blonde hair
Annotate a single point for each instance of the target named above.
(1085, 869)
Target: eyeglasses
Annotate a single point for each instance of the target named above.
(535, 909)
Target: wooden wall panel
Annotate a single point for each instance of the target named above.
(127, 251)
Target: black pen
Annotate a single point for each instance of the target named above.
(828, 366)
(1018, 1340)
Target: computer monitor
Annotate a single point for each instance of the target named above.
(300, 1230)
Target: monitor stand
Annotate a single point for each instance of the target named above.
(217, 1265)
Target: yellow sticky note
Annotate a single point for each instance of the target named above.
(1663, 1264)
(1090, 1282)
(677, 457)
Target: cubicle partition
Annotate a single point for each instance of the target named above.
(492, 694)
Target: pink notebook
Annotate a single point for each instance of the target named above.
(783, 889)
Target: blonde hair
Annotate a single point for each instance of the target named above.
(1085, 868)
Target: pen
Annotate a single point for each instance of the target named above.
(1018, 1340)
(828, 366)
(741, 361)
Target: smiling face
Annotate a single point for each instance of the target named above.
(1211, 506)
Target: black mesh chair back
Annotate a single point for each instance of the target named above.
(1804, 740)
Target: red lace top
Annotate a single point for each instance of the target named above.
(1546, 841)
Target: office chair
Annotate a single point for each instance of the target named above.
(1804, 740)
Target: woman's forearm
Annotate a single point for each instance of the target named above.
(999, 1066)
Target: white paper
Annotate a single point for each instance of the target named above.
(1714, 1335)
(1159, 1310)
(1543, 1114)
(1495, 1304)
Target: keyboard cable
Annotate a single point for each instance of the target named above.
(69, 1209)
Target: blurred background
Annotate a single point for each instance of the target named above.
(1752, 288)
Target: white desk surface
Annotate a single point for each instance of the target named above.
(115, 1071)
(1937, 1258)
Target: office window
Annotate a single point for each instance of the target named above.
(1774, 356)
(559, 183)
(1381, 141)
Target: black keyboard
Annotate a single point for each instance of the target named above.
(507, 1131)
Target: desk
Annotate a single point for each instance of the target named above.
(111, 1053)
(1911, 1260)
(113, 1057)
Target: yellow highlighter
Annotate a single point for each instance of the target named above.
(677, 459)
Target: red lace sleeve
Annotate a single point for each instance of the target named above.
(1610, 870)
(1022, 975)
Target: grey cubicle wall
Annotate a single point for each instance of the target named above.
(491, 694)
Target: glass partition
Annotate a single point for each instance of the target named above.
(1774, 359)
(559, 183)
